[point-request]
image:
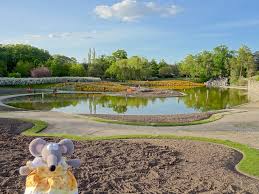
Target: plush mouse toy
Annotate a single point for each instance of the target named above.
(49, 172)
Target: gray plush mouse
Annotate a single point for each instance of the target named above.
(50, 172)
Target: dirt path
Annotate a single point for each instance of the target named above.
(133, 166)
(241, 126)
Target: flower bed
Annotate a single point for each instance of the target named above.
(168, 84)
(46, 80)
(100, 87)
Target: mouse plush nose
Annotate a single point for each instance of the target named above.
(52, 168)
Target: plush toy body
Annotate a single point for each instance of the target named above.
(49, 172)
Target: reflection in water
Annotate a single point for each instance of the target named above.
(196, 100)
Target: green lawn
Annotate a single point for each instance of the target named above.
(248, 165)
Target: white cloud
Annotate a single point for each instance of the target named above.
(132, 10)
(33, 36)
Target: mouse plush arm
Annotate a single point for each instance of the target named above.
(75, 163)
(67, 148)
(24, 170)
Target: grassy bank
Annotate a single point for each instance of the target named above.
(38, 126)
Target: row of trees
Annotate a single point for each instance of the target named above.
(220, 62)
(25, 61)
(119, 67)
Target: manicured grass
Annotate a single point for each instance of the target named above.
(248, 165)
(36, 129)
(212, 118)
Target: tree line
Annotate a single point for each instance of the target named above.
(220, 62)
(28, 61)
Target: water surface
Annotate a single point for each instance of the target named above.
(197, 100)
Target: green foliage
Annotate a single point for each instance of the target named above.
(220, 62)
(77, 70)
(154, 68)
(242, 65)
(168, 71)
(3, 68)
(120, 54)
(99, 66)
(24, 68)
(59, 65)
(12, 54)
(134, 68)
(15, 75)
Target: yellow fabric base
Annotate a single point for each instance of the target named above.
(43, 181)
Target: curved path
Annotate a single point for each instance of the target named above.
(240, 124)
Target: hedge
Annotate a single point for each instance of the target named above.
(45, 80)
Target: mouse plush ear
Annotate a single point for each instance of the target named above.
(36, 146)
(66, 146)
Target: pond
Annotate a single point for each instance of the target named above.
(197, 100)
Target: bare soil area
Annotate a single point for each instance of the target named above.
(156, 93)
(133, 166)
(176, 118)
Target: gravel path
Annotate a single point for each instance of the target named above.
(134, 166)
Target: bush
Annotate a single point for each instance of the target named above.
(15, 75)
(40, 72)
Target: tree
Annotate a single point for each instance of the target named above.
(245, 62)
(77, 70)
(134, 68)
(120, 54)
(187, 66)
(3, 69)
(221, 57)
(59, 65)
(204, 66)
(242, 64)
(99, 66)
(256, 59)
(24, 68)
(19, 52)
(154, 68)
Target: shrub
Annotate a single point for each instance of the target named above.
(40, 72)
(15, 75)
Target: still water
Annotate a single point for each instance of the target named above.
(197, 100)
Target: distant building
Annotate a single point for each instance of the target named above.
(256, 58)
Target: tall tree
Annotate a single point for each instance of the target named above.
(120, 54)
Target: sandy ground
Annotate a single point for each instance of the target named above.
(176, 118)
(133, 166)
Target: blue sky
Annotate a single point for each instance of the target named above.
(168, 29)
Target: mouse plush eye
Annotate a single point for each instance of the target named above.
(52, 146)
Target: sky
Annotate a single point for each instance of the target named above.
(159, 29)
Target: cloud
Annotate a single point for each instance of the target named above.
(33, 36)
(133, 10)
(72, 35)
